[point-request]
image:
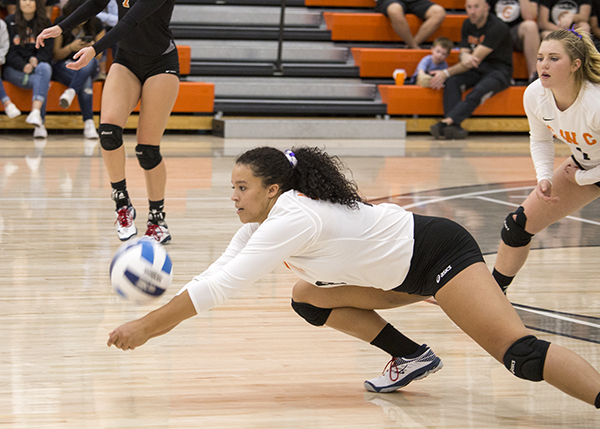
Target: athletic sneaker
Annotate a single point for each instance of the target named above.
(40, 132)
(89, 129)
(11, 110)
(35, 118)
(66, 98)
(125, 227)
(157, 227)
(399, 372)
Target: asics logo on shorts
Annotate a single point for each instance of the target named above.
(438, 278)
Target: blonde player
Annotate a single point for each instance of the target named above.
(562, 104)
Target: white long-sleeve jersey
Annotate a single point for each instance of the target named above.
(578, 126)
(323, 243)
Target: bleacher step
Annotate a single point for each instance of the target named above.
(309, 128)
(290, 88)
(299, 107)
(261, 51)
(244, 16)
(225, 68)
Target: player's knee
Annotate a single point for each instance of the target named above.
(148, 156)
(513, 231)
(314, 315)
(526, 358)
(111, 136)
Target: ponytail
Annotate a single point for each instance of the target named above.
(315, 174)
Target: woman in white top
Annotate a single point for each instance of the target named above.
(353, 258)
(561, 104)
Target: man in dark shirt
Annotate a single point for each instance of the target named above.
(485, 65)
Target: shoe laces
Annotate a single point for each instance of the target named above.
(124, 217)
(394, 369)
(154, 231)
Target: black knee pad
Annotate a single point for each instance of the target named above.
(111, 136)
(314, 315)
(513, 232)
(148, 156)
(526, 358)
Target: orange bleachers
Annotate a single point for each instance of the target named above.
(381, 62)
(375, 27)
(193, 97)
(22, 97)
(414, 100)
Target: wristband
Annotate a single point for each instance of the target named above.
(446, 72)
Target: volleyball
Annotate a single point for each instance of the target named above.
(141, 270)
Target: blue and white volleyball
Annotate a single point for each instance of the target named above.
(141, 270)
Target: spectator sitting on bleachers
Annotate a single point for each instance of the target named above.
(79, 82)
(26, 66)
(485, 64)
(595, 24)
(564, 14)
(435, 61)
(430, 13)
(109, 18)
(11, 6)
(9, 108)
(520, 16)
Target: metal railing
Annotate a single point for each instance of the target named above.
(278, 66)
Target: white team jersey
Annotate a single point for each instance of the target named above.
(578, 126)
(323, 243)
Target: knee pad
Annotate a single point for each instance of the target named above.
(148, 156)
(111, 136)
(513, 232)
(526, 358)
(314, 315)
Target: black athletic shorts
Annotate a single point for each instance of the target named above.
(579, 165)
(417, 7)
(442, 249)
(144, 66)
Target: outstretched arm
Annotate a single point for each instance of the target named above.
(158, 322)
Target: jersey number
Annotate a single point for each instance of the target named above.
(585, 155)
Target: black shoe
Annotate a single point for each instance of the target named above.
(437, 130)
(455, 132)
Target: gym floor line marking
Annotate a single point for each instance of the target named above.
(506, 203)
(465, 195)
(557, 316)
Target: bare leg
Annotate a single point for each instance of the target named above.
(529, 33)
(475, 303)
(433, 19)
(158, 97)
(540, 215)
(353, 306)
(398, 20)
(121, 93)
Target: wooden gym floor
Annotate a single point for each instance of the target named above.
(253, 363)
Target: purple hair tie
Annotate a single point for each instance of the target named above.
(291, 156)
(572, 30)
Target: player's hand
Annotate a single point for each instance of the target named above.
(438, 79)
(128, 336)
(82, 58)
(47, 33)
(570, 171)
(544, 192)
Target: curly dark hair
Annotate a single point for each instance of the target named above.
(317, 174)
